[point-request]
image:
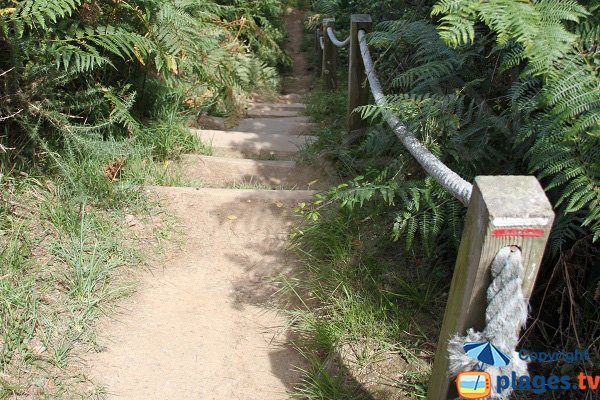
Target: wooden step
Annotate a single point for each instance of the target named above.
(265, 113)
(253, 213)
(291, 98)
(275, 110)
(281, 126)
(219, 195)
(252, 145)
(265, 174)
(279, 106)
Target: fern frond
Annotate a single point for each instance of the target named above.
(512, 55)
(589, 29)
(31, 12)
(116, 40)
(457, 26)
(538, 26)
(121, 106)
(79, 59)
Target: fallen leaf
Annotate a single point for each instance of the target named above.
(232, 217)
(279, 204)
(113, 169)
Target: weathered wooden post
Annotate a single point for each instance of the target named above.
(503, 211)
(318, 50)
(329, 68)
(358, 88)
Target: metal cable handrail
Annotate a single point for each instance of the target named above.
(450, 180)
(335, 41)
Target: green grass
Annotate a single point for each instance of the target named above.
(59, 269)
(355, 288)
(62, 267)
(320, 384)
(329, 109)
(340, 272)
(66, 254)
(90, 252)
(167, 135)
(166, 173)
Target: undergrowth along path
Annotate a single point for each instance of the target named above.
(202, 327)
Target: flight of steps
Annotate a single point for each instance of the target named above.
(258, 153)
(201, 326)
(214, 304)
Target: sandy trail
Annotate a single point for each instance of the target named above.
(200, 325)
(201, 328)
(298, 80)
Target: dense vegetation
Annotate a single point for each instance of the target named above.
(95, 97)
(94, 100)
(500, 87)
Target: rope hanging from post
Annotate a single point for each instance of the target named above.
(321, 43)
(450, 180)
(335, 41)
(505, 316)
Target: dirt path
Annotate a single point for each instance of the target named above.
(200, 326)
(298, 80)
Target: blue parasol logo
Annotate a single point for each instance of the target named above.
(486, 353)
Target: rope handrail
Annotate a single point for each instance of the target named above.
(450, 180)
(511, 197)
(505, 316)
(321, 43)
(334, 39)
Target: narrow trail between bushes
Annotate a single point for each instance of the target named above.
(201, 325)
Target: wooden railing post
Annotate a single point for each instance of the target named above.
(358, 88)
(328, 70)
(318, 50)
(503, 211)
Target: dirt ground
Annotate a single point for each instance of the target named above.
(298, 80)
(201, 325)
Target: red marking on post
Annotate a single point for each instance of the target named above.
(529, 232)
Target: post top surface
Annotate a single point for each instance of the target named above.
(514, 196)
(360, 18)
(328, 21)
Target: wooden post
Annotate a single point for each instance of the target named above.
(318, 50)
(358, 87)
(329, 68)
(503, 211)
